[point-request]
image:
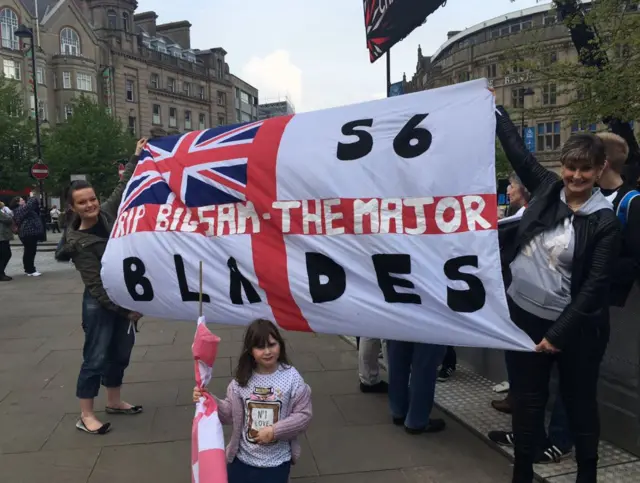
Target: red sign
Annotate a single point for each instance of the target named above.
(40, 171)
(120, 170)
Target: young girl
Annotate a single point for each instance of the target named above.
(268, 404)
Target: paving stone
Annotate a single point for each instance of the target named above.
(306, 465)
(392, 476)
(173, 423)
(217, 386)
(333, 382)
(326, 413)
(338, 361)
(21, 346)
(69, 466)
(302, 361)
(40, 326)
(167, 371)
(314, 343)
(160, 462)
(363, 409)
(14, 436)
(168, 353)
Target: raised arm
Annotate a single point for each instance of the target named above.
(110, 207)
(526, 166)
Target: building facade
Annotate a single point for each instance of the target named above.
(146, 73)
(484, 50)
(281, 107)
(245, 101)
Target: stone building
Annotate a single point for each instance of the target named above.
(484, 50)
(245, 102)
(148, 74)
(276, 107)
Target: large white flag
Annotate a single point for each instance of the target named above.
(377, 219)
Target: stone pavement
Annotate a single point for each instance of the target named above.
(350, 440)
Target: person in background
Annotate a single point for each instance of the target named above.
(55, 215)
(109, 329)
(30, 230)
(6, 235)
(449, 364)
(561, 265)
(369, 366)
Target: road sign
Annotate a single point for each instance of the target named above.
(120, 170)
(40, 170)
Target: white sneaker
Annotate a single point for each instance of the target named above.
(34, 274)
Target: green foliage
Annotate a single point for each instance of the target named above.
(91, 142)
(17, 137)
(503, 168)
(612, 91)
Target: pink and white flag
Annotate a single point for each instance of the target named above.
(208, 461)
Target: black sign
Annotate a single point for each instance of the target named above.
(387, 22)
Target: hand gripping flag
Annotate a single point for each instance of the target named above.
(208, 461)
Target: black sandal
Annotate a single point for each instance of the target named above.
(127, 412)
(104, 429)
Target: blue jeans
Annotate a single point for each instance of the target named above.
(108, 341)
(413, 400)
(559, 432)
(239, 472)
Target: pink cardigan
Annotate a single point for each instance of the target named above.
(231, 411)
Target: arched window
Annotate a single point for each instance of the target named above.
(8, 25)
(112, 20)
(69, 42)
(125, 22)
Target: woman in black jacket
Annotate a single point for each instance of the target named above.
(560, 261)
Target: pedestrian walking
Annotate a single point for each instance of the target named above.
(369, 351)
(55, 216)
(109, 329)
(561, 265)
(30, 230)
(6, 235)
(268, 405)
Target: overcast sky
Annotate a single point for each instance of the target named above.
(314, 51)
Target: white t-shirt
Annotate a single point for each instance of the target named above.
(267, 399)
(55, 214)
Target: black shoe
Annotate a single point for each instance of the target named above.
(381, 388)
(5, 278)
(502, 438)
(398, 421)
(552, 454)
(434, 426)
(445, 373)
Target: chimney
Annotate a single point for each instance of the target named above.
(179, 32)
(452, 33)
(146, 20)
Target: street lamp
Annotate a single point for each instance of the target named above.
(527, 92)
(25, 32)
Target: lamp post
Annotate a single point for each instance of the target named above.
(25, 32)
(527, 92)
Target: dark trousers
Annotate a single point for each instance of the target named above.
(30, 244)
(5, 255)
(239, 472)
(108, 341)
(578, 367)
(55, 228)
(450, 358)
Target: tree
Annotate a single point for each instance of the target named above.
(607, 85)
(503, 167)
(16, 138)
(90, 142)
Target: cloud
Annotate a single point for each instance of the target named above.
(275, 75)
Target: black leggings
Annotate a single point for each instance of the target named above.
(30, 244)
(5, 255)
(578, 368)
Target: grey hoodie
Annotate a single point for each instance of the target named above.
(541, 271)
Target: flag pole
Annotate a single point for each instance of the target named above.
(200, 290)
(389, 73)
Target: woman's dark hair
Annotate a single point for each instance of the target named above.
(257, 336)
(76, 186)
(583, 150)
(15, 201)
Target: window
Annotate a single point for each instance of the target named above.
(550, 18)
(68, 111)
(238, 116)
(221, 121)
(11, 69)
(492, 70)
(220, 72)
(244, 97)
(495, 33)
(187, 119)
(132, 125)
(221, 98)
(505, 30)
(156, 119)
(40, 75)
(549, 136)
(517, 98)
(155, 81)
(173, 117)
(66, 80)
(463, 76)
(550, 58)
(515, 28)
(43, 114)
(202, 122)
(8, 25)
(125, 22)
(55, 80)
(584, 127)
(549, 97)
(69, 42)
(202, 92)
(186, 87)
(112, 20)
(84, 82)
(526, 25)
(171, 84)
(129, 90)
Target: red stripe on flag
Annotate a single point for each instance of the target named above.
(269, 249)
